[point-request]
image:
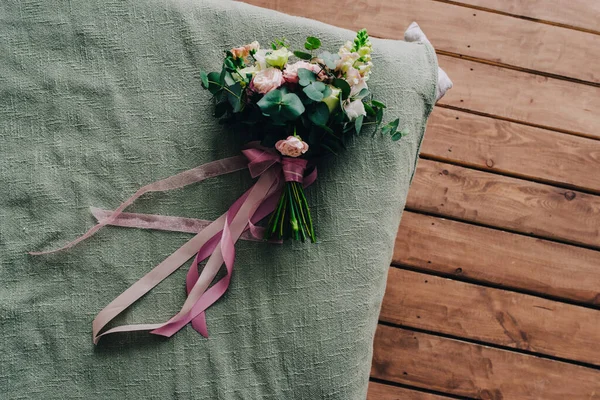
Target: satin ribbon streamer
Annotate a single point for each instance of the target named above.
(215, 241)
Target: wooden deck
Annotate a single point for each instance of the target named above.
(494, 291)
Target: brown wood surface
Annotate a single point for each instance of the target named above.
(491, 315)
(500, 258)
(379, 391)
(511, 148)
(505, 202)
(521, 96)
(500, 38)
(582, 14)
(476, 371)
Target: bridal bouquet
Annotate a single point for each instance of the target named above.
(304, 108)
(290, 113)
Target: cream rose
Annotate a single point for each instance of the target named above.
(267, 79)
(278, 58)
(293, 146)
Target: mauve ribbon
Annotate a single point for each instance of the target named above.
(215, 241)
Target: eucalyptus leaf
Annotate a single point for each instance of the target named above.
(302, 55)
(377, 104)
(369, 110)
(312, 43)
(234, 97)
(358, 123)
(364, 92)
(343, 86)
(320, 115)
(291, 106)
(396, 136)
(270, 104)
(379, 116)
(391, 127)
(313, 93)
(326, 92)
(306, 77)
(204, 79)
(329, 59)
(214, 85)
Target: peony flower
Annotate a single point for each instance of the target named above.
(293, 146)
(267, 79)
(278, 58)
(333, 99)
(244, 51)
(290, 73)
(354, 109)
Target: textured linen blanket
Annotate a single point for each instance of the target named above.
(98, 98)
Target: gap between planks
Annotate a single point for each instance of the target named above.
(516, 150)
(579, 18)
(498, 259)
(465, 369)
(493, 317)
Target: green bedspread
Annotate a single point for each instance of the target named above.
(98, 98)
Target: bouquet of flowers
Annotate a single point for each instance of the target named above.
(305, 109)
(291, 114)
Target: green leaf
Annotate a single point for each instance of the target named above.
(369, 110)
(291, 106)
(377, 104)
(358, 123)
(302, 55)
(397, 136)
(204, 79)
(214, 85)
(326, 92)
(329, 59)
(235, 98)
(320, 115)
(390, 127)
(312, 43)
(306, 76)
(270, 104)
(364, 92)
(344, 86)
(221, 108)
(379, 116)
(313, 93)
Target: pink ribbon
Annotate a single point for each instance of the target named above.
(215, 241)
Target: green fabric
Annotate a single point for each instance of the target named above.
(99, 98)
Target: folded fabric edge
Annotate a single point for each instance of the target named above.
(414, 33)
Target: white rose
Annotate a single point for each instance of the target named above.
(354, 109)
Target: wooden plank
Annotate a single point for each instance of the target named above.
(450, 28)
(465, 369)
(512, 148)
(507, 203)
(492, 315)
(499, 258)
(582, 14)
(520, 96)
(379, 391)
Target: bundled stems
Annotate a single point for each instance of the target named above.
(291, 218)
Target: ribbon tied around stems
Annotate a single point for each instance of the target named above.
(214, 242)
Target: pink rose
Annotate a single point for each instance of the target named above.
(290, 73)
(293, 146)
(267, 79)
